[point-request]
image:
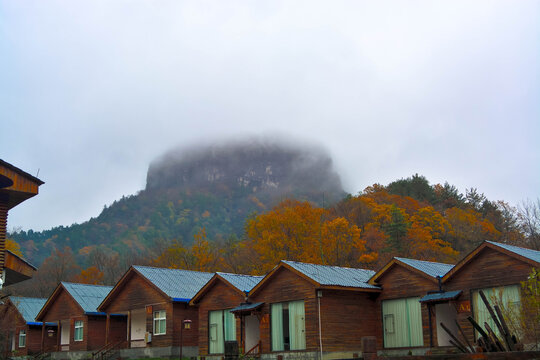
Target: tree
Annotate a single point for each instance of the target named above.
(529, 220)
(416, 187)
(290, 231)
(469, 229)
(341, 244)
(14, 247)
(91, 275)
(396, 226)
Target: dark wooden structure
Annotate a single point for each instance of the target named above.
(403, 278)
(72, 307)
(22, 335)
(16, 186)
(145, 293)
(339, 305)
(225, 292)
(490, 265)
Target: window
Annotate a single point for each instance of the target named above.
(160, 322)
(221, 328)
(507, 297)
(288, 326)
(22, 338)
(78, 335)
(402, 323)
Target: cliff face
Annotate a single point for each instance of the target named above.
(212, 187)
(256, 167)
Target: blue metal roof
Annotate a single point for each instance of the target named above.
(430, 268)
(88, 296)
(527, 253)
(242, 282)
(247, 307)
(335, 275)
(28, 307)
(442, 296)
(180, 285)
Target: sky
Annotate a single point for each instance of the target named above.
(92, 91)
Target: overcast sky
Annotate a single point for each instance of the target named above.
(92, 91)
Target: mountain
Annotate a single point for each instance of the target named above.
(212, 186)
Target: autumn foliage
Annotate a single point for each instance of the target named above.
(407, 218)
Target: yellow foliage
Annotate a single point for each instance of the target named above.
(14, 247)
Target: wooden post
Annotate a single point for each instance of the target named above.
(129, 329)
(107, 324)
(59, 336)
(43, 331)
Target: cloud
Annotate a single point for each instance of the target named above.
(94, 90)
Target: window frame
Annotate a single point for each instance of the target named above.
(159, 320)
(286, 324)
(78, 329)
(213, 330)
(397, 322)
(22, 335)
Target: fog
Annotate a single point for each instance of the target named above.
(93, 91)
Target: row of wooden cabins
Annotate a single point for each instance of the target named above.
(298, 309)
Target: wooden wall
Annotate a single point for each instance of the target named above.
(65, 308)
(95, 332)
(288, 286)
(490, 268)
(134, 294)
(137, 293)
(220, 297)
(181, 312)
(346, 317)
(399, 282)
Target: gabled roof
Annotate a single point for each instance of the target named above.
(86, 296)
(176, 284)
(28, 307)
(528, 256)
(239, 282)
(326, 276)
(427, 269)
(179, 285)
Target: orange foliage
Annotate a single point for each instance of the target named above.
(290, 231)
(341, 243)
(14, 247)
(92, 275)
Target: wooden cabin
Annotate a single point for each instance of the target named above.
(497, 269)
(404, 320)
(73, 308)
(16, 186)
(310, 310)
(24, 335)
(217, 324)
(159, 321)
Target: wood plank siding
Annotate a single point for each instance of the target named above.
(490, 268)
(65, 309)
(220, 297)
(399, 282)
(137, 293)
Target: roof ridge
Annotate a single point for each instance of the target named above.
(424, 261)
(173, 269)
(26, 297)
(514, 246)
(330, 266)
(247, 275)
(83, 284)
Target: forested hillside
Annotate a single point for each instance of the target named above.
(212, 187)
(243, 207)
(408, 218)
